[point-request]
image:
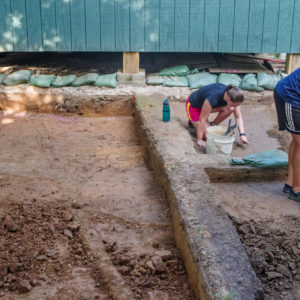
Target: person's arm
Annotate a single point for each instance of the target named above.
(240, 124)
(201, 128)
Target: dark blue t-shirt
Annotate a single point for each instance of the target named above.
(288, 88)
(213, 93)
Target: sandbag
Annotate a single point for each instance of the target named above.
(18, 77)
(265, 159)
(60, 81)
(155, 80)
(227, 79)
(249, 83)
(182, 70)
(41, 80)
(86, 79)
(2, 77)
(175, 81)
(108, 80)
(268, 81)
(195, 71)
(200, 80)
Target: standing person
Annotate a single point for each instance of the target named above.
(215, 98)
(287, 101)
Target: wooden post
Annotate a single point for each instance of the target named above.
(131, 62)
(292, 62)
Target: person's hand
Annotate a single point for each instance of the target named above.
(201, 144)
(243, 139)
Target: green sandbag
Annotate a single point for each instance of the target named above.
(109, 80)
(249, 83)
(2, 76)
(155, 80)
(195, 71)
(200, 80)
(175, 81)
(18, 77)
(86, 79)
(266, 159)
(268, 81)
(227, 79)
(175, 71)
(41, 80)
(60, 81)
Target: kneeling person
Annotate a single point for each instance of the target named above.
(212, 98)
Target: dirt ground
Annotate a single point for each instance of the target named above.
(47, 161)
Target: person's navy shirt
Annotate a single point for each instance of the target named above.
(288, 88)
(213, 93)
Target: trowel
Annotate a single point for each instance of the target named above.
(231, 129)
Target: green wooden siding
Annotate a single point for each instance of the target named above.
(150, 25)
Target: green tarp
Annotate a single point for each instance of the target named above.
(86, 79)
(249, 82)
(109, 80)
(227, 79)
(201, 79)
(60, 81)
(41, 80)
(175, 71)
(155, 80)
(175, 81)
(18, 77)
(268, 81)
(266, 159)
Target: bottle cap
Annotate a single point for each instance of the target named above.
(166, 101)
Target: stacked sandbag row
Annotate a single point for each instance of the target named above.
(42, 80)
(180, 76)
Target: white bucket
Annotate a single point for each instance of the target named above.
(216, 142)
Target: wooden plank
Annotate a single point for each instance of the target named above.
(34, 25)
(78, 25)
(48, 25)
(152, 25)
(240, 35)
(255, 32)
(167, 28)
(292, 62)
(92, 8)
(182, 10)
(131, 62)
(63, 26)
(6, 33)
(196, 34)
(295, 45)
(226, 26)
(122, 26)
(108, 25)
(270, 26)
(285, 23)
(19, 25)
(137, 25)
(211, 25)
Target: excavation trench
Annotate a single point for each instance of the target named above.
(81, 214)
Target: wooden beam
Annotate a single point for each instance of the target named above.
(131, 62)
(292, 62)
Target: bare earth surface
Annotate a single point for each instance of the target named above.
(48, 161)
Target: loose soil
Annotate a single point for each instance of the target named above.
(50, 165)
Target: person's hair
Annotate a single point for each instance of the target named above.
(235, 94)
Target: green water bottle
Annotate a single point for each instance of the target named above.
(166, 110)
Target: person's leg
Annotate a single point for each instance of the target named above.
(296, 162)
(290, 167)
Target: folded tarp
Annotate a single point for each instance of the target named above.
(249, 83)
(182, 70)
(108, 80)
(41, 80)
(18, 77)
(201, 79)
(175, 81)
(60, 81)
(86, 79)
(227, 79)
(266, 159)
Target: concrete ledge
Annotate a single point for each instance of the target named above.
(136, 79)
(216, 261)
